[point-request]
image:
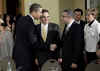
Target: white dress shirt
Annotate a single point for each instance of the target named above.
(46, 28)
(91, 36)
(69, 25)
(78, 22)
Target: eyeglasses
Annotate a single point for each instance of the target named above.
(65, 16)
(44, 17)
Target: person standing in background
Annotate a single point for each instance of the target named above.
(8, 20)
(6, 42)
(77, 16)
(91, 34)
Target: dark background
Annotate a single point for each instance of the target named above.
(12, 6)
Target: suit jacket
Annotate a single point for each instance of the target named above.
(82, 25)
(53, 37)
(27, 41)
(71, 42)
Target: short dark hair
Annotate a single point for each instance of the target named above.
(78, 10)
(34, 7)
(70, 12)
(45, 10)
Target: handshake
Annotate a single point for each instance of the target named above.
(53, 47)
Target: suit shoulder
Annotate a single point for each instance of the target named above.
(82, 21)
(23, 22)
(38, 24)
(22, 19)
(54, 24)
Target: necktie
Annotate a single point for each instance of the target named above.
(44, 33)
(64, 32)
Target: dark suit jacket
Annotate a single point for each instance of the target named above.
(53, 37)
(82, 25)
(27, 41)
(72, 42)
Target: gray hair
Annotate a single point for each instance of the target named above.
(69, 12)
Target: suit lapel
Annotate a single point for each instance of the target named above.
(48, 31)
(30, 19)
(39, 28)
(66, 32)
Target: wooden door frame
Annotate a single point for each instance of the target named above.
(22, 8)
(3, 8)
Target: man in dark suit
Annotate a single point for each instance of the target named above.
(71, 42)
(77, 16)
(50, 36)
(27, 40)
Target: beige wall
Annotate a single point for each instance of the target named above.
(65, 4)
(79, 4)
(51, 5)
(56, 7)
(72, 4)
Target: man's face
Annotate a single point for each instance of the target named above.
(45, 18)
(65, 17)
(77, 16)
(37, 14)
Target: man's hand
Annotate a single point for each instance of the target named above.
(53, 47)
(36, 62)
(60, 60)
(74, 66)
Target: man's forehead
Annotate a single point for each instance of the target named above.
(77, 12)
(64, 13)
(45, 14)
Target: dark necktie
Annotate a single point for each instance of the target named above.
(64, 32)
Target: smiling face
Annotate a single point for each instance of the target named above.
(91, 14)
(90, 17)
(77, 16)
(45, 17)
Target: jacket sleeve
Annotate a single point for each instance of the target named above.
(33, 36)
(59, 49)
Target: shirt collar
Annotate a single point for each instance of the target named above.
(31, 17)
(69, 25)
(91, 23)
(78, 22)
(45, 25)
